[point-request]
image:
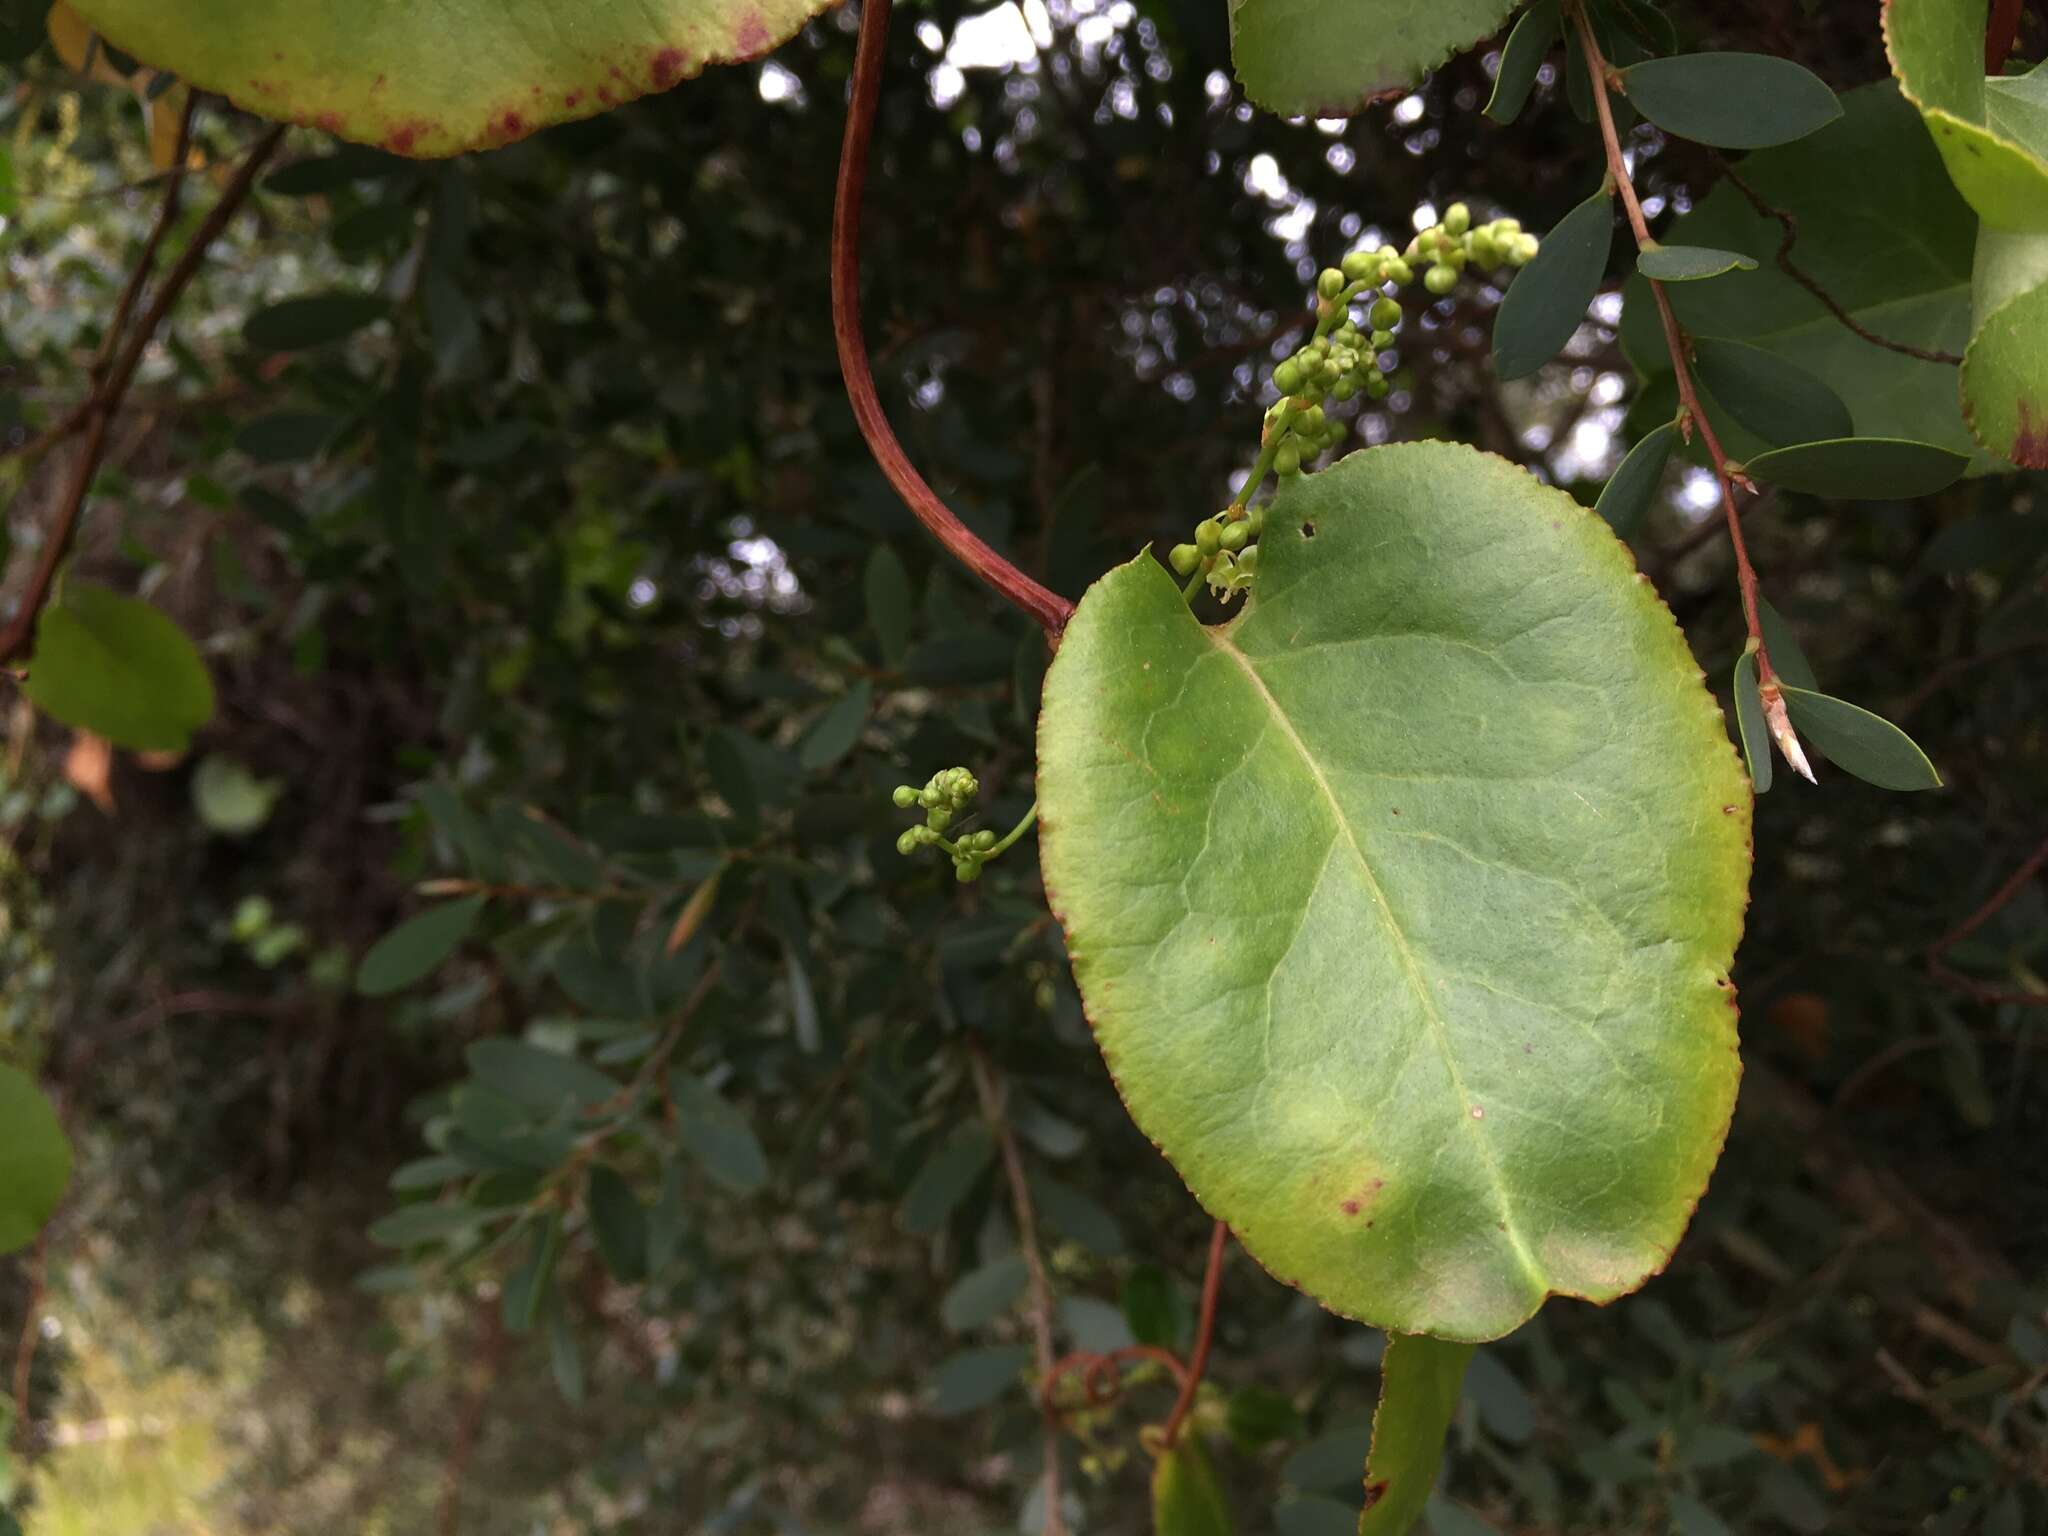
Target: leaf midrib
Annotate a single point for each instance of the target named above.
(1410, 965)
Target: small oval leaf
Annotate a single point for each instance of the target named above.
(120, 668)
(974, 1378)
(413, 949)
(314, 321)
(1634, 483)
(1749, 721)
(1777, 400)
(1521, 59)
(715, 1133)
(1860, 468)
(35, 1159)
(619, 1223)
(1690, 263)
(1731, 100)
(1859, 742)
(946, 1178)
(981, 1297)
(1549, 297)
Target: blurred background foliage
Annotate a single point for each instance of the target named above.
(558, 574)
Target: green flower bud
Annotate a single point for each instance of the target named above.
(907, 844)
(905, 797)
(967, 871)
(1381, 340)
(1440, 280)
(1485, 249)
(1329, 282)
(1310, 421)
(1319, 347)
(1236, 536)
(1386, 314)
(1288, 460)
(1344, 388)
(1287, 377)
(1457, 218)
(1506, 227)
(1524, 251)
(1401, 273)
(1361, 267)
(1208, 537)
(1376, 385)
(1256, 519)
(984, 841)
(1184, 558)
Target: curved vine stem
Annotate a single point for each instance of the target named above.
(1788, 227)
(1205, 1334)
(1046, 607)
(1692, 417)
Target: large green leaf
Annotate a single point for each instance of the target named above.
(436, 77)
(1328, 58)
(120, 668)
(2005, 368)
(1402, 906)
(1421, 1380)
(1988, 131)
(35, 1159)
(1894, 249)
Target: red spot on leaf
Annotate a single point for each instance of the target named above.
(404, 137)
(604, 95)
(508, 125)
(752, 37)
(668, 67)
(2030, 442)
(1374, 1492)
(1359, 1201)
(329, 121)
(569, 101)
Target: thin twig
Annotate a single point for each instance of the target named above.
(25, 1347)
(1908, 1386)
(490, 1361)
(1949, 671)
(1046, 607)
(1983, 992)
(167, 215)
(96, 412)
(1789, 226)
(1101, 1381)
(1027, 1241)
(1205, 1335)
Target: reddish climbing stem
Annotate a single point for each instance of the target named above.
(1205, 1334)
(1045, 606)
(1691, 416)
(2001, 31)
(1674, 338)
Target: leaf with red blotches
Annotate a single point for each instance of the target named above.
(438, 77)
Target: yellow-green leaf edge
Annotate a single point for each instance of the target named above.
(432, 78)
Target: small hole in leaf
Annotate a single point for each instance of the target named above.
(1308, 530)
